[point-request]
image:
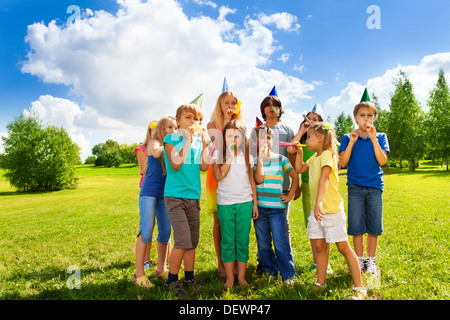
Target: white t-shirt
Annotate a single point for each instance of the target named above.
(235, 186)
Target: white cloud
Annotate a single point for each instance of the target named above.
(284, 21)
(205, 3)
(144, 61)
(284, 57)
(422, 76)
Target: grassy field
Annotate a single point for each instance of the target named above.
(94, 227)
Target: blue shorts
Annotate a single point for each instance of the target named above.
(149, 208)
(365, 211)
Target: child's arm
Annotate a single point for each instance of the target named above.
(155, 149)
(221, 170)
(344, 156)
(259, 172)
(176, 159)
(323, 185)
(254, 195)
(297, 137)
(300, 166)
(205, 152)
(294, 177)
(380, 154)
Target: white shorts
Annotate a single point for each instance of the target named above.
(332, 228)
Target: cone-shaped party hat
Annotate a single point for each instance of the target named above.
(198, 101)
(365, 96)
(258, 123)
(273, 92)
(225, 85)
(314, 108)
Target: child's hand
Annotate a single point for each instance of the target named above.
(255, 212)
(318, 214)
(372, 132)
(354, 135)
(297, 148)
(285, 199)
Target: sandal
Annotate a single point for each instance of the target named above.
(162, 275)
(359, 293)
(143, 282)
(319, 286)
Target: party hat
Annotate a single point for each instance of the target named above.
(198, 101)
(258, 122)
(273, 92)
(225, 85)
(314, 108)
(365, 96)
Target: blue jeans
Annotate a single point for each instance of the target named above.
(271, 224)
(365, 211)
(149, 208)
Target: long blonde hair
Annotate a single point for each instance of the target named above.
(159, 132)
(217, 115)
(329, 141)
(149, 134)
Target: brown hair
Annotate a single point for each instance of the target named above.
(237, 125)
(329, 141)
(217, 116)
(259, 131)
(366, 104)
(303, 137)
(193, 108)
(275, 101)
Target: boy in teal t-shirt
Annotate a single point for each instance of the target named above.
(184, 156)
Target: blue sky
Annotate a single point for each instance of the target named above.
(313, 51)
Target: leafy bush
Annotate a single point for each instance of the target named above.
(38, 158)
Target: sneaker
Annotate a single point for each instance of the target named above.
(362, 264)
(371, 266)
(191, 283)
(147, 264)
(175, 287)
(312, 267)
(329, 270)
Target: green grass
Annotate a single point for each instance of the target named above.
(94, 227)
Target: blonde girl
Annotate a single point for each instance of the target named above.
(151, 206)
(224, 112)
(327, 222)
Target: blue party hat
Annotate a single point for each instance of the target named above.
(273, 92)
(314, 108)
(225, 85)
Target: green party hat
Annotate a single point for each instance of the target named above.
(365, 96)
(198, 101)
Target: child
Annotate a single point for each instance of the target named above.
(236, 199)
(327, 220)
(364, 151)
(151, 205)
(141, 155)
(271, 111)
(224, 112)
(165, 126)
(184, 155)
(271, 223)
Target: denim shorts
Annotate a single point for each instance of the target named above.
(365, 211)
(149, 208)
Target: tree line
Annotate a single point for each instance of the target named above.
(413, 134)
(112, 154)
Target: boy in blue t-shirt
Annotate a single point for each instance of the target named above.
(364, 151)
(269, 172)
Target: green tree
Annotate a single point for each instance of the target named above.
(107, 154)
(438, 120)
(343, 125)
(38, 158)
(405, 123)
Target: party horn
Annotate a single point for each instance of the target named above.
(309, 121)
(273, 109)
(290, 144)
(238, 107)
(197, 128)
